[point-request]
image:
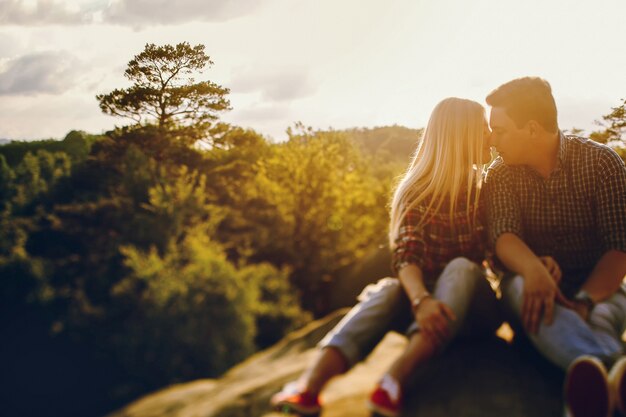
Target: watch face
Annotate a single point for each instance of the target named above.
(582, 295)
(585, 298)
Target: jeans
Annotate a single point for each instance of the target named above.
(569, 336)
(384, 307)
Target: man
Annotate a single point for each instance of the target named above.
(563, 196)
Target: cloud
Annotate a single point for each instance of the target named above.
(10, 44)
(42, 12)
(165, 12)
(30, 117)
(276, 86)
(42, 72)
(270, 119)
(135, 13)
(260, 113)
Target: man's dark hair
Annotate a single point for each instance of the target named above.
(524, 99)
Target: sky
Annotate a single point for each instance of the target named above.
(326, 63)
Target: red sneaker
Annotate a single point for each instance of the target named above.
(294, 401)
(386, 399)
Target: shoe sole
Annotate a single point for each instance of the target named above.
(587, 390)
(617, 382)
(290, 408)
(621, 392)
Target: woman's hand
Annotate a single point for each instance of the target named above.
(433, 317)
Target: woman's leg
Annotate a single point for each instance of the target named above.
(460, 283)
(382, 307)
(418, 350)
(464, 288)
(329, 363)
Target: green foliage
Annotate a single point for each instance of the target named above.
(76, 145)
(614, 132)
(36, 173)
(165, 93)
(193, 314)
(276, 308)
(170, 261)
(311, 203)
(614, 125)
(131, 245)
(390, 144)
(7, 177)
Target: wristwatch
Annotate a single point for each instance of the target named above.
(415, 303)
(584, 297)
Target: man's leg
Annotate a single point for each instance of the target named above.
(569, 336)
(609, 317)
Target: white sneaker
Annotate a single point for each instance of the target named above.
(587, 391)
(617, 382)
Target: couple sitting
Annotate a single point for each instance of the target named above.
(551, 207)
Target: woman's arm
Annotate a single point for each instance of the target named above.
(431, 314)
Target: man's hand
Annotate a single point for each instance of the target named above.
(540, 293)
(432, 316)
(553, 268)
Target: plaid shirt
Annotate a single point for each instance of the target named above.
(432, 246)
(576, 215)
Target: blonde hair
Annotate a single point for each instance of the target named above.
(447, 161)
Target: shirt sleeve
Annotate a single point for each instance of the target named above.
(409, 244)
(503, 213)
(611, 201)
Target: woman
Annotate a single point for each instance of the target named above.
(438, 243)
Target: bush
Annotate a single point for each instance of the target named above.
(194, 313)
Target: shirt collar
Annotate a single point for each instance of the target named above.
(561, 153)
(560, 157)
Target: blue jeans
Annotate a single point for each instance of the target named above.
(569, 336)
(384, 307)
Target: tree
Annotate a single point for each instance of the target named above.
(6, 181)
(329, 209)
(164, 92)
(614, 125)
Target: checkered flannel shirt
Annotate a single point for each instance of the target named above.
(432, 246)
(576, 215)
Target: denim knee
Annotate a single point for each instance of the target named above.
(385, 290)
(461, 273)
(367, 322)
(462, 263)
(512, 288)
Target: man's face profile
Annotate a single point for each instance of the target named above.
(510, 141)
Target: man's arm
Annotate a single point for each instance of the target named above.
(610, 202)
(540, 289)
(607, 276)
(604, 280)
(504, 222)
